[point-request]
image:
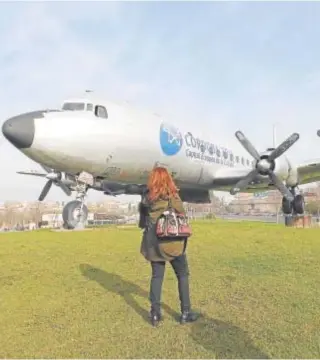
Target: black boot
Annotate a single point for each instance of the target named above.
(188, 316)
(155, 318)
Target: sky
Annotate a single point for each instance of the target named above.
(219, 66)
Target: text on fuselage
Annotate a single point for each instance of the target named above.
(204, 150)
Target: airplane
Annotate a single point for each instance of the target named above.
(93, 143)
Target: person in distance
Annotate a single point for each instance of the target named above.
(161, 191)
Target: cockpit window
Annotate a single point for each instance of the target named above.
(101, 111)
(73, 106)
(89, 107)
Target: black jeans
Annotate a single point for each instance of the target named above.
(181, 269)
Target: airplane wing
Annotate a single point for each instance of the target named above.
(225, 178)
(309, 171)
(263, 176)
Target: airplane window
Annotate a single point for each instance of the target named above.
(89, 107)
(73, 106)
(248, 162)
(242, 161)
(231, 157)
(101, 111)
(237, 159)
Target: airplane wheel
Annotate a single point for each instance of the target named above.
(299, 204)
(71, 214)
(65, 226)
(287, 206)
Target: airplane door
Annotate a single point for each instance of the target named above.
(190, 170)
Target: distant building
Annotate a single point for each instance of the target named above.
(53, 220)
(32, 226)
(267, 201)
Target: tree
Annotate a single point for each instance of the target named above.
(313, 207)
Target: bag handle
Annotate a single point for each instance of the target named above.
(169, 203)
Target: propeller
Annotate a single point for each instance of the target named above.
(265, 164)
(54, 177)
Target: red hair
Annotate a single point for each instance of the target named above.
(161, 184)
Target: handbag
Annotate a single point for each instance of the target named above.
(172, 225)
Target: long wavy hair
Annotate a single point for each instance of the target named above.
(161, 184)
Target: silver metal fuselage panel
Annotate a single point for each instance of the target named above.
(124, 147)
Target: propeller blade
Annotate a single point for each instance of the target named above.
(284, 146)
(243, 183)
(247, 145)
(45, 190)
(31, 173)
(64, 188)
(46, 168)
(280, 186)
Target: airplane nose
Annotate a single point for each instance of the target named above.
(19, 130)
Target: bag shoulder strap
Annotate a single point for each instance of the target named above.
(170, 206)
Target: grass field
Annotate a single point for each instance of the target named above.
(85, 295)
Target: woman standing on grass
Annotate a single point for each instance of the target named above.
(160, 190)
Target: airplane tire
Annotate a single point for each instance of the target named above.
(70, 214)
(287, 206)
(299, 204)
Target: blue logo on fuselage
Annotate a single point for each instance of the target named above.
(170, 139)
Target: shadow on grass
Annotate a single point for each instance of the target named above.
(224, 340)
(220, 338)
(116, 284)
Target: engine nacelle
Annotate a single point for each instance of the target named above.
(282, 168)
(293, 176)
(68, 180)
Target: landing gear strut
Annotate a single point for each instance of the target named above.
(294, 207)
(75, 213)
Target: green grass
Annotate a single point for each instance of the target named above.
(85, 294)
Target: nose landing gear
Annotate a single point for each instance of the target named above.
(75, 213)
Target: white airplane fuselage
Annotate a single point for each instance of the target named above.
(125, 146)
